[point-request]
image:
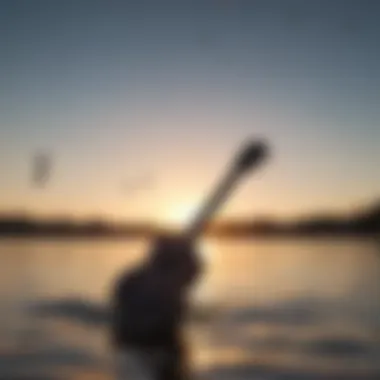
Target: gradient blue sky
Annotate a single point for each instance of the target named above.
(117, 88)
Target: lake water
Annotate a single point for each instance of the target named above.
(264, 310)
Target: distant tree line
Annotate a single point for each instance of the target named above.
(363, 222)
(22, 226)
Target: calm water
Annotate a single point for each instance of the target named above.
(264, 310)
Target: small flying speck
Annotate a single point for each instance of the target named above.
(41, 168)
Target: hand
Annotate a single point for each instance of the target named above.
(175, 257)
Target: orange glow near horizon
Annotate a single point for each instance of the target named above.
(180, 214)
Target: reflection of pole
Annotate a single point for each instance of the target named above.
(26, 323)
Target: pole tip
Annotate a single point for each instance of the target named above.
(253, 153)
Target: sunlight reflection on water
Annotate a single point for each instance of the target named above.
(274, 309)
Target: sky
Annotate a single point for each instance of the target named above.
(167, 90)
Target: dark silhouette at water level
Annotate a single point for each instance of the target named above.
(364, 222)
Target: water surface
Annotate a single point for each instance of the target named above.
(306, 309)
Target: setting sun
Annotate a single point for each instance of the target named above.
(182, 213)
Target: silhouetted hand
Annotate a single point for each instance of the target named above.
(150, 304)
(175, 257)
